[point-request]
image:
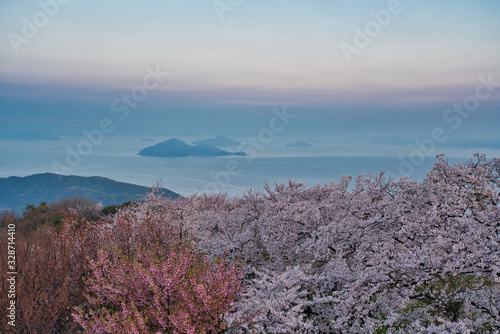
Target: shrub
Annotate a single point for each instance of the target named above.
(48, 281)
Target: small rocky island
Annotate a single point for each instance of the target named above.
(177, 148)
(28, 136)
(299, 144)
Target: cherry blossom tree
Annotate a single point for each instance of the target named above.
(381, 255)
(369, 255)
(180, 294)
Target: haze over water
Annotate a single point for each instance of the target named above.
(370, 85)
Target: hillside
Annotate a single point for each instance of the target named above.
(174, 148)
(17, 192)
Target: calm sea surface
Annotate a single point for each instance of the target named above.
(117, 159)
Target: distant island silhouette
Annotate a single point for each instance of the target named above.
(177, 148)
(28, 136)
(299, 144)
(217, 141)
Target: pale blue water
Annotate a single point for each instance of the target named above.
(117, 159)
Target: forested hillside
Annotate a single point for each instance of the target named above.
(18, 192)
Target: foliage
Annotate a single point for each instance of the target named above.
(371, 249)
(53, 214)
(112, 209)
(7, 216)
(370, 255)
(49, 282)
(183, 293)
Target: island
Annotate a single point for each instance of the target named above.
(299, 144)
(28, 136)
(174, 148)
(218, 142)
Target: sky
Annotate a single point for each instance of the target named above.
(389, 69)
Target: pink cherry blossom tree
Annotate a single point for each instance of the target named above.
(183, 293)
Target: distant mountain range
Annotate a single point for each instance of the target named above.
(177, 148)
(17, 192)
(28, 136)
(217, 141)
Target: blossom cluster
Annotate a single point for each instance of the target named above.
(182, 293)
(369, 255)
(375, 255)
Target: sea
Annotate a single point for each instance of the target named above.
(274, 162)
